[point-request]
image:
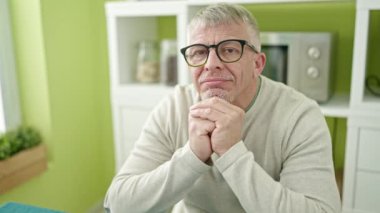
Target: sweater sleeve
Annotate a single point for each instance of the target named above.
(307, 181)
(157, 174)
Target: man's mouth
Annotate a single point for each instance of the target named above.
(213, 81)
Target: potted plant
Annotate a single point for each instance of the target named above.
(22, 156)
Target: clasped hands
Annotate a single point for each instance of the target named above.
(214, 126)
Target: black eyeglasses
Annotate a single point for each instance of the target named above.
(228, 51)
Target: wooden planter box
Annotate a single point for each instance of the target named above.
(22, 167)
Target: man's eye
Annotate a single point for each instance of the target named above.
(229, 50)
(199, 53)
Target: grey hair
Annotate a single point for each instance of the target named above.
(223, 13)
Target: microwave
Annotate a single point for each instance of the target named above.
(300, 60)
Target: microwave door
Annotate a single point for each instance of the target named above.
(277, 62)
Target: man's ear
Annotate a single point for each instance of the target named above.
(260, 62)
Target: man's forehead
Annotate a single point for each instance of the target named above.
(218, 32)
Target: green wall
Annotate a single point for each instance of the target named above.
(61, 53)
(373, 44)
(61, 56)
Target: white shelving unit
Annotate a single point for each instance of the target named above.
(362, 170)
(129, 23)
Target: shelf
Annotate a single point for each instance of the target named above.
(337, 106)
(368, 4)
(370, 99)
(368, 106)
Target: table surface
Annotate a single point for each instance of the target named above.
(13, 207)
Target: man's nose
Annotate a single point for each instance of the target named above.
(213, 60)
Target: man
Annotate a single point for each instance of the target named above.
(234, 141)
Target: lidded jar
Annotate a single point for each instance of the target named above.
(148, 70)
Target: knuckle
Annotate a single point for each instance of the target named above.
(211, 126)
(192, 126)
(239, 114)
(214, 100)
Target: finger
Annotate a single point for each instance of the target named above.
(220, 118)
(216, 110)
(207, 113)
(201, 126)
(215, 103)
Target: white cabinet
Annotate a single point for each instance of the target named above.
(367, 195)
(362, 167)
(368, 149)
(131, 105)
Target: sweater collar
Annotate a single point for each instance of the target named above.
(258, 87)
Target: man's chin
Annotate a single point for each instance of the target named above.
(216, 92)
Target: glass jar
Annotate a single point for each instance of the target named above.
(168, 62)
(148, 62)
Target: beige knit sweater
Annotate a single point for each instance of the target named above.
(283, 163)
